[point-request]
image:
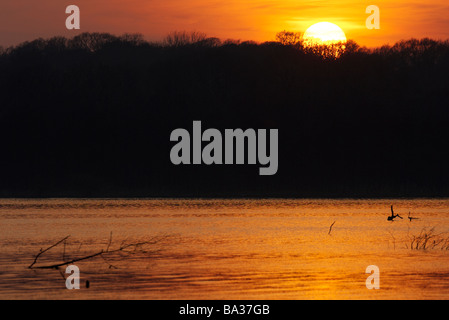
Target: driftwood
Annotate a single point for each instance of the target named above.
(124, 247)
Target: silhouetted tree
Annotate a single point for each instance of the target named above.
(135, 39)
(289, 38)
(228, 42)
(91, 41)
(182, 38)
(331, 51)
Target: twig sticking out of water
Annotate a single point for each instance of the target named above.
(411, 218)
(63, 253)
(110, 240)
(330, 228)
(428, 239)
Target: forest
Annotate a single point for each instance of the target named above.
(91, 116)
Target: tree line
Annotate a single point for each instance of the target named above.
(92, 115)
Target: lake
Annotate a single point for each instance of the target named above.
(225, 248)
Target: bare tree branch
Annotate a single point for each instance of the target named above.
(123, 248)
(43, 251)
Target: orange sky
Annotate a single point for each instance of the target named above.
(258, 20)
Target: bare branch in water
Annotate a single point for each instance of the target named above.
(57, 265)
(110, 240)
(43, 251)
(123, 248)
(330, 228)
(63, 253)
(428, 239)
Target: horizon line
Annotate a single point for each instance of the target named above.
(222, 40)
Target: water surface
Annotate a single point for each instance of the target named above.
(225, 249)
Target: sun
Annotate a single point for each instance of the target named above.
(324, 33)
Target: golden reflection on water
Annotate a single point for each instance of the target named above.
(227, 249)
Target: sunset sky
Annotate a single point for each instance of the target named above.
(259, 20)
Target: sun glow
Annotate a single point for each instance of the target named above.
(324, 33)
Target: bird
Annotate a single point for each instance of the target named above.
(411, 218)
(393, 216)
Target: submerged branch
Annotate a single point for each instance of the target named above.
(43, 251)
(122, 248)
(57, 265)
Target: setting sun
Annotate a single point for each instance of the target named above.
(324, 33)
